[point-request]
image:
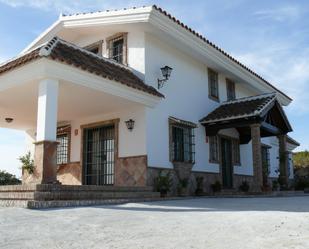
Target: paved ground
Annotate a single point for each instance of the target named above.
(196, 223)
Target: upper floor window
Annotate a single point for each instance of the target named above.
(95, 48)
(182, 146)
(213, 86)
(213, 149)
(117, 48)
(63, 139)
(230, 89)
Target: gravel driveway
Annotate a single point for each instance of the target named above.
(191, 223)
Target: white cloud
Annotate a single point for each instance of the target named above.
(287, 71)
(286, 13)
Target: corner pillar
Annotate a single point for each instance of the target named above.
(45, 157)
(257, 157)
(283, 160)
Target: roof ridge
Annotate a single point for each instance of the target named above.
(264, 95)
(102, 11)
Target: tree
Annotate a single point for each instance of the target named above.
(8, 179)
(301, 159)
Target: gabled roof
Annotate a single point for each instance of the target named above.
(292, 141)
(240, 108)
(155, 8)
(64, 52)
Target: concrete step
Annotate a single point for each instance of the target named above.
(92, 195)
(33, 204)
(83, 203)
(59, 187)
(17, 195)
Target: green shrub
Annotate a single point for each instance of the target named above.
(301, 184)
(275, 185)
(8, 179)
(27, 163)
(163, 183)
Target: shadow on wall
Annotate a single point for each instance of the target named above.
(281, 204)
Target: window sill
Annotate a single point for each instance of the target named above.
(184, 162)
(214, 98)
(213, 161)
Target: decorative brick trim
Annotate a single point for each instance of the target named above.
(70, 173)
(131, 171)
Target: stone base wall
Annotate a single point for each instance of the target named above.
(70, 173)
(208, 179)
(239, 179)
(131, 171)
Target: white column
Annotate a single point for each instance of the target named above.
(47, 110)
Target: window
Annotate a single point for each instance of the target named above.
(95, 48)
(213, 84)
(182, 147)
(236, 152)
(230, 89)
(117, 48)
(213, 149)
(63, 147)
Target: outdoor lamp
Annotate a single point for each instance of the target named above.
(9, 120)
(130, 124)
(166, 72)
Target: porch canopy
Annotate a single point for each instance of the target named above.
(60, 82)
(240, 114)
(254, 117)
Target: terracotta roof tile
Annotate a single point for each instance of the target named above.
(64, 52)
(240, 108)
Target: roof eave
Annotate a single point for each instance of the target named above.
(91, 19)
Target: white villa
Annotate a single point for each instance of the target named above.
(114, 97)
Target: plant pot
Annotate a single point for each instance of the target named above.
(199, 192)
(163, 193)
(183, 192)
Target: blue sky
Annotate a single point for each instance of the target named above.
(270, 36)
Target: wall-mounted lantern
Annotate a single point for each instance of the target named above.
(130, 124)
(9, 120)
(166, 72)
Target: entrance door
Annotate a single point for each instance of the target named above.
(227, 164)
(98, 155)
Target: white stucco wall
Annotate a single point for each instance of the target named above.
(135, 46)
(131, 143)
(186, 97)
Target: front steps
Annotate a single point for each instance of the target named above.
(49, 195)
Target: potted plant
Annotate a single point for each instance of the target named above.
(27, 163)
(163, 183)
(275, 185)
(216, 187)
(244, 187)
(199, 185)
(183, 187)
